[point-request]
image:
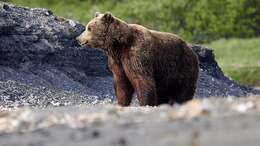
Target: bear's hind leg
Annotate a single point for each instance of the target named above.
(186, 93)
(162, 98)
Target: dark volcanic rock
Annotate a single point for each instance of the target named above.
(41, 63)
(212, 81)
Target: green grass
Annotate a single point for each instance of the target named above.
(239, 59)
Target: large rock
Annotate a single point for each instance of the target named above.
(41, 63)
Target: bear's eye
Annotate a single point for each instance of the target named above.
(89, 29)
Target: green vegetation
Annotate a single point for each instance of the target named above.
(195, 20)
(239, 58)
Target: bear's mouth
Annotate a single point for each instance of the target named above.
(87, 45)
(84, 44)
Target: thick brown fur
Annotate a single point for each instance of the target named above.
(159, 67)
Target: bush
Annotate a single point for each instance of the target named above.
(195, 20)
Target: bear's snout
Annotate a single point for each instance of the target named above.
(81, 41)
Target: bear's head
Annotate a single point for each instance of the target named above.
(104, 31)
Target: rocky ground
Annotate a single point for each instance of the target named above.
(54, 92)
(200, 122)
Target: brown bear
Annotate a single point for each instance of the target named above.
(159, 67)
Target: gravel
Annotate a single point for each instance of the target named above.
(212, 121)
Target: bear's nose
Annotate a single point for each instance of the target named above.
(81, 42)
(78, 39)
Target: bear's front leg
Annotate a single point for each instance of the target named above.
(123, 88)
(146, 91)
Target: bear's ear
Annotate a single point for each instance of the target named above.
(108, 17)
(97, 14)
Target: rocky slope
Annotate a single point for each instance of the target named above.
(41, 64)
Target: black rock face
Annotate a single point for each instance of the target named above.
(212, 81)
(41, 63)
